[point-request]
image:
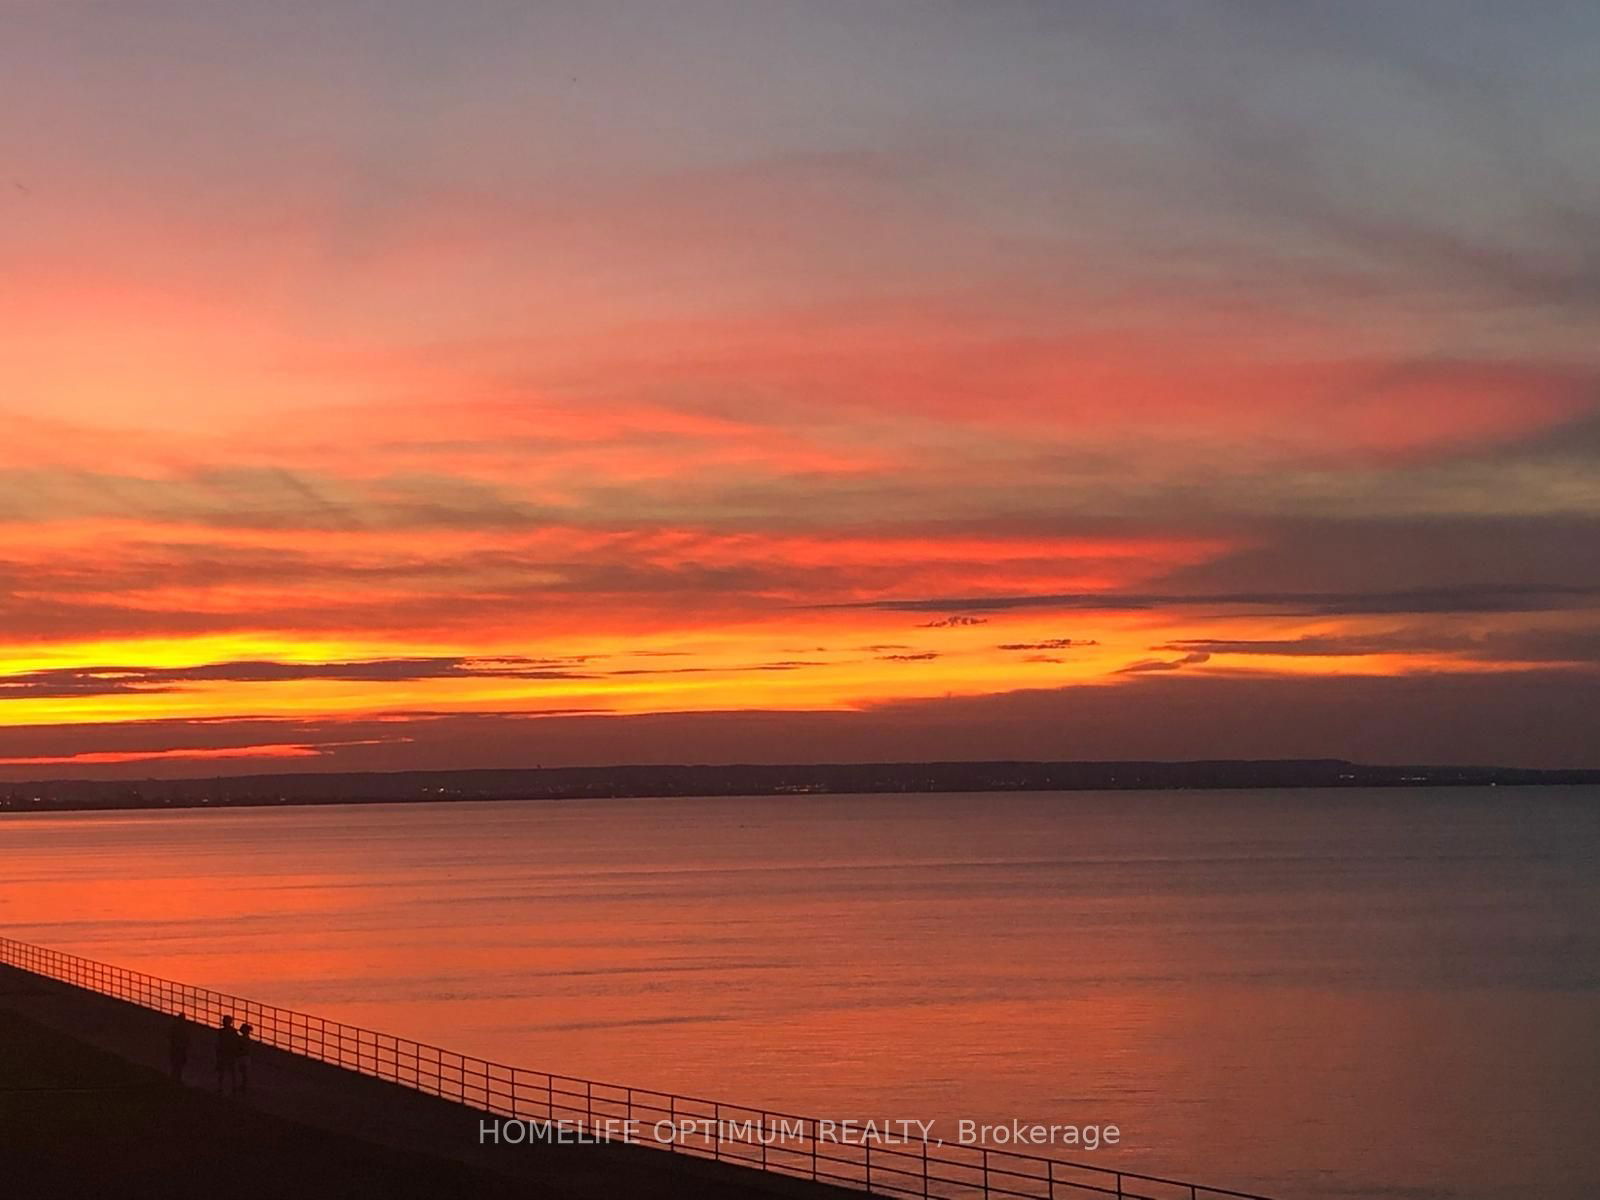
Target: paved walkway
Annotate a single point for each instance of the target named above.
(86, 1110)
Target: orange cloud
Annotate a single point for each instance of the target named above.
(103, 757)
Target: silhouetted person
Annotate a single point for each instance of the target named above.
(241, 1059)
(178, 1045)
(227, 1052)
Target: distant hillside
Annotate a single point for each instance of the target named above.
(564, 783)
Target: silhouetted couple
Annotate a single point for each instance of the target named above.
(233, 1056)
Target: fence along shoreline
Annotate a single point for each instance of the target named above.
(781, 1143)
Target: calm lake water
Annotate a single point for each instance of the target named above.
(1312, 994)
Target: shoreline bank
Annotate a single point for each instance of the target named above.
(89, 1110)
(753, 781)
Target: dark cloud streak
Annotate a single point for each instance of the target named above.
(58, 682)
(1486, 598)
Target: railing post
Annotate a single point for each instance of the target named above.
(716, 1131)
(672, 1116)
(868, 1147)
(1119, 1185)
(925, 1168)
(986, 1174)
(1050, 1178)
(588, 1104)
(813, 1148)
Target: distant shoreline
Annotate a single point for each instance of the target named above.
(754, 780)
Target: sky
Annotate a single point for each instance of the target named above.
(397, 385)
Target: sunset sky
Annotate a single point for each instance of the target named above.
(401, 384)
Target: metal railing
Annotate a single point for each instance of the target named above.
(543, 1104)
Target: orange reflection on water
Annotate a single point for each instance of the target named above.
(1304, 993)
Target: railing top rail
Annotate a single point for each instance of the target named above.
(230, 1000)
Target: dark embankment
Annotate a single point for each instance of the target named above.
(87, 1111)
(81, 1122)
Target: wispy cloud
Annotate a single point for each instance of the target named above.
(1147, 665)
(1049, 644)
(1525, 645)
(116, 680)
(1467, 598)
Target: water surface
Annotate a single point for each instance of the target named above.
(1309, 993)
